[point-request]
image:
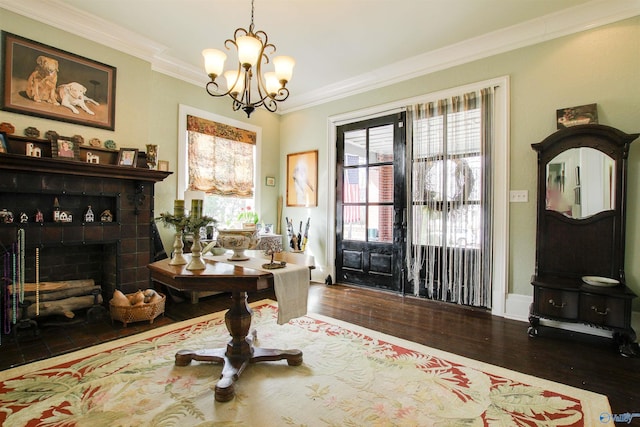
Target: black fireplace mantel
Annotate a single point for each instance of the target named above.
(31, 184)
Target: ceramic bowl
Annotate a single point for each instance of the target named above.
(218, 250)
(238, 240)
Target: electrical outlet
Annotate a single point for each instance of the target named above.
(519, 196)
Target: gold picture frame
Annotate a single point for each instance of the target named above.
(302, 179)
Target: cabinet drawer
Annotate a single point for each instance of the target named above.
(603, 310)
(556, 303)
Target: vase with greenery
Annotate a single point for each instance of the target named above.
(186, 224)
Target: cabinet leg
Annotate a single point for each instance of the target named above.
(534, 322)
(626, 345)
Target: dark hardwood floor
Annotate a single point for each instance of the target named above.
(585, 362)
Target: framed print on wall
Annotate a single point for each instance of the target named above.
(270, 181)
(302, 179)
(43, 81)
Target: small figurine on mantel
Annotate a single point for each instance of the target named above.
(39, 217)
(56, 210)
(106, 216)
(24, 218)
(6, 216)
(88, 215)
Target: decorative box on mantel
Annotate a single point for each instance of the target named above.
(115, 254)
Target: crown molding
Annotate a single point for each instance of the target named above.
(569, 21)
(62, 16)
(579, 18)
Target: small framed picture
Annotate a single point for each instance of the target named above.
(64, 147)
(128, 157)
(3, 143)
(580, 115)
(163, 165)
(270, 181)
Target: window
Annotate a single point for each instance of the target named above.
(217, 160)
(447, 162)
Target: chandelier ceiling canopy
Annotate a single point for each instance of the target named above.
(247, 86)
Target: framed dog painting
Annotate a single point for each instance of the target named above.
(43, 81)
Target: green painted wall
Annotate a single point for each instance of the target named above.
(598, 66)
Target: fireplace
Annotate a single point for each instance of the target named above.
(113, 253)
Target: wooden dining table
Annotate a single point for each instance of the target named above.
(239, 351)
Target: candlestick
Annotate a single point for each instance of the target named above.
(178, 208)
(196, 208)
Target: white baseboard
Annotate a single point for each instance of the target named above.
(517, 308)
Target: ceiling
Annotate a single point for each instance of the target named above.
(341, 47)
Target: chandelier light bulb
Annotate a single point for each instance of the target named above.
(284, 68)
(272, 84)
(214, 62)
(249, 49)
(235, 82)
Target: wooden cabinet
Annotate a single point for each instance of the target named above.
(580, 238)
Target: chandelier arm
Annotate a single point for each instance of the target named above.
(240, 31)
(216, 89)
(282, 95)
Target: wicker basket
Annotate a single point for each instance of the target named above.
(138, 313)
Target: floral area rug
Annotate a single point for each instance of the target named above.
(350, 376)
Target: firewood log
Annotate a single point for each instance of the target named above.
(30, 288)
(63, 307)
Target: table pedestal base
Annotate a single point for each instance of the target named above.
(239, 351)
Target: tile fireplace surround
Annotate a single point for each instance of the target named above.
(114, 254)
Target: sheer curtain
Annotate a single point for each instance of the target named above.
(450, 194)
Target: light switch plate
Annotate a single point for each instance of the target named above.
(519, 196)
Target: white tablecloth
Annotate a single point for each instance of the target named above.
(291, 285)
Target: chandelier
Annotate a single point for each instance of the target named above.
(247, 86)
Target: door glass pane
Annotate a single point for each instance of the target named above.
(355, 151)
(354, 190)
(381, 184)
(380, 224)
(463, 227)
(353, 223)
(381, 144)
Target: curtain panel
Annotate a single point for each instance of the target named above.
(220, 158)
(450, 198)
